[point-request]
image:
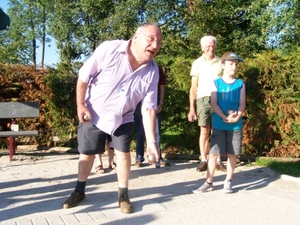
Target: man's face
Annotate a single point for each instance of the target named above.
(209, 48)
(148, 41)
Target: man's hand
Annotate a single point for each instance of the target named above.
(152, 150)
(83, 114)
(159, 108)
(192, 117)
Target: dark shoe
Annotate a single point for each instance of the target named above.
(99, 169)
(221, 166)
(164, 163)
(73, 200)
(202, 166)
(157, 165)
(138, 164)
(113, 166)
(125, 205)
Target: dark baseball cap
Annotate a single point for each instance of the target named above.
(230, 56)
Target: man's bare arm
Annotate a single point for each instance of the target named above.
(149, 122)
(80, 100)
(192, 97)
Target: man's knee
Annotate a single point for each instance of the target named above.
(87, 157)
(205, 131)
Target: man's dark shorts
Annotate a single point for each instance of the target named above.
(204, 111)
(91, 140)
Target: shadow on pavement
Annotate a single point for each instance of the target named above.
(22, 196)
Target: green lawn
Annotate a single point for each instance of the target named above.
(287, 167)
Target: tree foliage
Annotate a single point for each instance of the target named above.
(273, 108)
(28, 29)
(284, 23)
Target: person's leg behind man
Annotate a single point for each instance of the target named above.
(99, 164)
(91, 141)
(111, 153)
(121, 143)
(157, 135)
(161, 162)
(140, 136)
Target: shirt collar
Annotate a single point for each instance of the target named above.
(124, 46)
(215, 59)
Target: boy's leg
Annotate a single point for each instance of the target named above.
(208, 184)
(234, 148)
(212, 165)
(231, 163)
(217, 147)
(217, 144)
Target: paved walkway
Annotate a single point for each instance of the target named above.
(33, 188)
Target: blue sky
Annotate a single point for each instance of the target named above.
(51, 55)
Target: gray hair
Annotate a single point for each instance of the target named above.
(146, 25)
(204, 39)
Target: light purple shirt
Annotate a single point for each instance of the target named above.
(114, 89)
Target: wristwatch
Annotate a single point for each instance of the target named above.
(151, 142)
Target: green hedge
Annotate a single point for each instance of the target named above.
(271, 119)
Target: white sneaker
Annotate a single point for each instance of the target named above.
(227, 187)
(204, 188)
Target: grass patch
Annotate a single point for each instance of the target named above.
(175, 142)
(291, 168)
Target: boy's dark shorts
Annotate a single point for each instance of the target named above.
(91, 140)
(226, 141)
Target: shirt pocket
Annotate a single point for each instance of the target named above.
(138, 90)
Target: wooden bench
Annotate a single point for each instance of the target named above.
(13, 110)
